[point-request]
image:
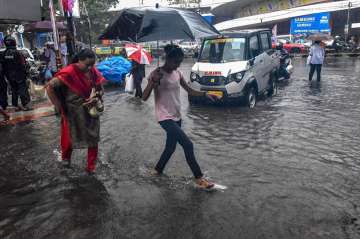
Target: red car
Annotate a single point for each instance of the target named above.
(293, 47)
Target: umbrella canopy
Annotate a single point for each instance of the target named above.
(319, 37)
(138, 54)
(153, 24)
(43, 26)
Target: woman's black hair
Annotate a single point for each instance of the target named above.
(83, 55)
(173, 51)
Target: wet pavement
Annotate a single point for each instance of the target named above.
(291, 166)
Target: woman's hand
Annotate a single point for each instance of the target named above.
(156, 77)
(91, 102)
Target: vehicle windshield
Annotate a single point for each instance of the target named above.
(223, 50)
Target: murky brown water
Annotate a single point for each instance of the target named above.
(291, 164)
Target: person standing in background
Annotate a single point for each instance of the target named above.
(50, 55)
(138, 73)
(14, 66)
(317, 56)
(64, 51)
(3, 94)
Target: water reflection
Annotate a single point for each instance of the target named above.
(291, 165)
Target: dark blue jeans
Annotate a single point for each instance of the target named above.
(313, 68)
(3, 92)
(175, 135)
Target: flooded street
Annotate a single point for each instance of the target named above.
(291, 166)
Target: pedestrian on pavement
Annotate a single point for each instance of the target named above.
(138, 74)
(76, 92)
(3, 94)
(166, 82)
(50, 55)
(64, 51)
(317, 56)
(14, 66)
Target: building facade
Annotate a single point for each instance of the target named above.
(268, 13)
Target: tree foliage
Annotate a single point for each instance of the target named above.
(99, 17)
(97, 12)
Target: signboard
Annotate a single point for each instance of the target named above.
(103, 51)
(319, 22)
(20, 10)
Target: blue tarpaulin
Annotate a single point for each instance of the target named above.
(114, 69)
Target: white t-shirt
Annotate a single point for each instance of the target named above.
(317, 54)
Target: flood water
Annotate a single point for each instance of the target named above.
(291, 165)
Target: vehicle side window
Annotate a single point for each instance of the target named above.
(265, 41)
(254, 47)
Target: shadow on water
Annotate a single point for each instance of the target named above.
(291, 167)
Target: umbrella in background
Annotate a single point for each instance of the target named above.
(43, 26)
(153, 24)
(138, 53)
(319, 37)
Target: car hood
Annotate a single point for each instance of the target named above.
(204, 68)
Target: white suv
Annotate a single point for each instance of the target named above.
(236, 65)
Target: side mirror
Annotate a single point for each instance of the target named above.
(251, 61)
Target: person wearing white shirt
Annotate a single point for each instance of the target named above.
(317, 54)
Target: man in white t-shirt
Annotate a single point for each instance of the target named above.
(317, 54)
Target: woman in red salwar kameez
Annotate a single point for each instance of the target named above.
(71, 93)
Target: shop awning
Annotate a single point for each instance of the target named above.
(14, 11)
(258, 20)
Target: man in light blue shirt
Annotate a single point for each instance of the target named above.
(317, 54)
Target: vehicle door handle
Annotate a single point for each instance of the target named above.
(261, 61)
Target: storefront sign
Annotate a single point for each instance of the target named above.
(319, 22)
(103, 51)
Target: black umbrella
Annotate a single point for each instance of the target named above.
(153, 24)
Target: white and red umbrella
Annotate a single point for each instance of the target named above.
(138, 53)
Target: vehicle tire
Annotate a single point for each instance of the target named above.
(250, 98)
(272, 90)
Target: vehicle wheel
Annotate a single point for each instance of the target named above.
(272, 90)
(251, 97)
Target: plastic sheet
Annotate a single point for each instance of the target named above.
(114, 69)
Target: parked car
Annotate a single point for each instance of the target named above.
(294, 48)
(239, 65)
(190, 48)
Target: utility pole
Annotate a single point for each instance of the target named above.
(348, 22)
(89, 23)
